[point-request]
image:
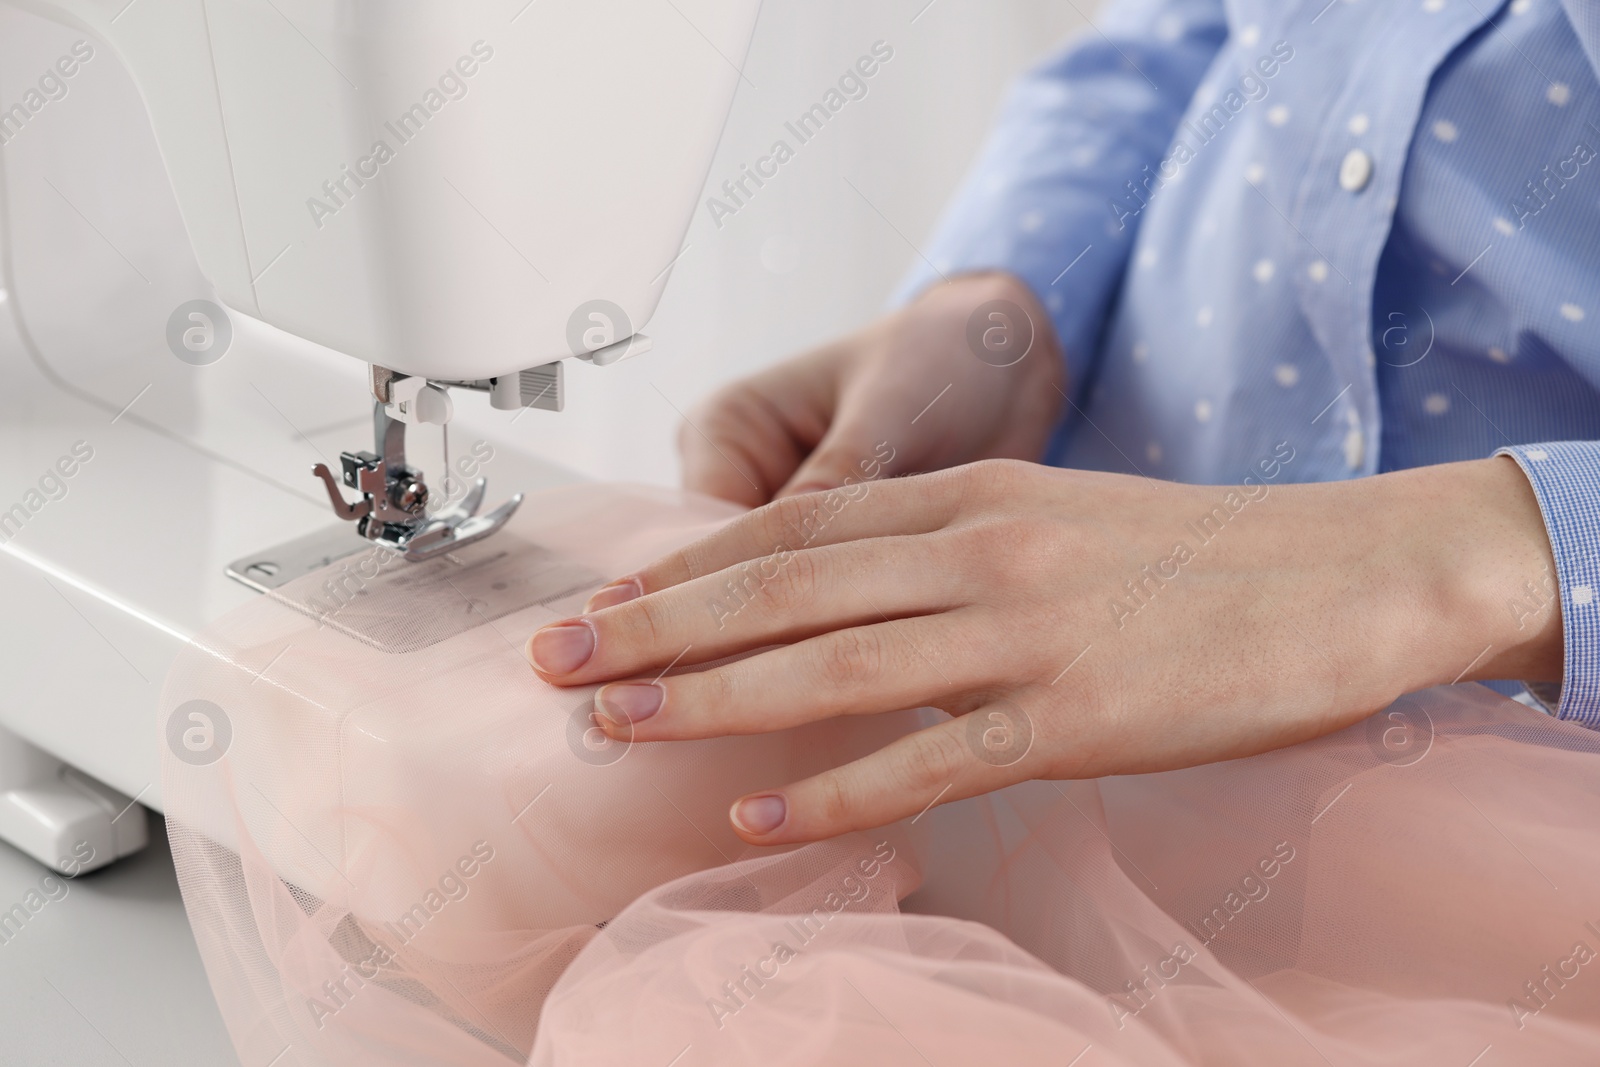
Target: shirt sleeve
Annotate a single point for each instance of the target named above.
(1566, 479)
(1070, 138)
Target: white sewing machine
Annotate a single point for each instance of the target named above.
(212, 213)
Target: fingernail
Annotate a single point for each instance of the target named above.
(562, 648)
(760, 814)
(624, 703)
(614, 594)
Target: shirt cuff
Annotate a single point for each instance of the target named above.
(1566, 480)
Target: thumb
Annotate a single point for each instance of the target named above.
(729, 466)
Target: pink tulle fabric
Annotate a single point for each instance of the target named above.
(397, 846)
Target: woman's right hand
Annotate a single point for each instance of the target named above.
(970, 370)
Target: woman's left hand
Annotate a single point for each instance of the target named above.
(1076, 624)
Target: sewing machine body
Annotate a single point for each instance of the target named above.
(448, 193)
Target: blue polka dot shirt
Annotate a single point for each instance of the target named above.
(1365, 232)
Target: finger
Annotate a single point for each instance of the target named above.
(784, 598)
(732, 451)
(748, 439)
(902, 780)
(862, 670)
(857, 440)
(898, 507)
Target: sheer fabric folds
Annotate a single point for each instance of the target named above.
(397, 846)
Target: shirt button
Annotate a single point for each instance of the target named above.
(1356, 171)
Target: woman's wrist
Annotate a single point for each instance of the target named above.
(1478, 573)
(957, 304)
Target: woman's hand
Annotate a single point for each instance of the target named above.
(805, 424)
(1077, 624)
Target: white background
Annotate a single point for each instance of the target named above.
(807, 258)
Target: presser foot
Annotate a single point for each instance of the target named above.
(417, 536)
(393, 509)
(457, 527)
